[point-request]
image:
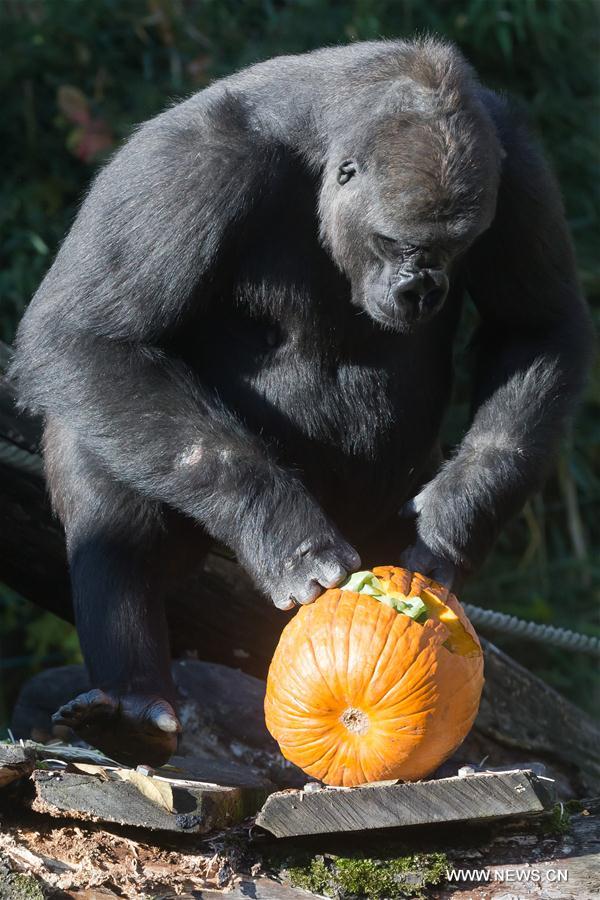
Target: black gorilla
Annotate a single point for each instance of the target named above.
(247, 337)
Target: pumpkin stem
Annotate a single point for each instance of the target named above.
(355, 720)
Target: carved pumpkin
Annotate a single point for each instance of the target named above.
(378, 680)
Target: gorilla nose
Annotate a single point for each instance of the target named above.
(421, 292)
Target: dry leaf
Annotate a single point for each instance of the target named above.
(91, 770)
(158, 791)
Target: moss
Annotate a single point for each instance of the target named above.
(559, 819)
(363, 877)
(314, 876)
(574, 806)
(14, 886)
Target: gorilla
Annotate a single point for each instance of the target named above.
(247, 338)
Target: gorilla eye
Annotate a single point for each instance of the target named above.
(386, 245)
(385, 240)
(345, 171)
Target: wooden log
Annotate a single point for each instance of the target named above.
(257, 889)
(519, 710)
(544, 863)
(197, 807)
(33, 560)
(476, 798)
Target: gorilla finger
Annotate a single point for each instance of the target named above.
(59, 718)
(350, 558)
(93, 703)
(445, 575)
(332, 573)
(307, 594)
(162, 715)
(284, 603)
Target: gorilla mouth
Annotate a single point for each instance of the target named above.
(394, 318)
(401, 312)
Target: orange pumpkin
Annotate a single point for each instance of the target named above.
(359, 691)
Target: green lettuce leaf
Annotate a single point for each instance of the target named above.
(369, 584)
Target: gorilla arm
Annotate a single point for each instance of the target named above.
(143, 249)
(533, 348)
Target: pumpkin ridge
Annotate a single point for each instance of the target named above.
(318, 667)
(359, 763)
(392, 635)
(298, 684)
(332, 607)
(424, 680)
(383, 765)
(368, 676)
(337, 612)
(355, 675)
(315, 741)
(297, 679)
(348, 642)
(416, 658)
(396, 712)
(330, 751)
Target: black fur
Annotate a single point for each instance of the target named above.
(247, 337)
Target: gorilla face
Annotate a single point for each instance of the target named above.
(404, 284)
(397, 215)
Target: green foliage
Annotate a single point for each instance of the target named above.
(14, 886)
(559, 819)
(29, 640)
(78, 76)
(361, 876)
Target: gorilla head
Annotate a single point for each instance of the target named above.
(403, 195)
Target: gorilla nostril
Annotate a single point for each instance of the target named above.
(433, 298)
(407, 292)
(420, 293)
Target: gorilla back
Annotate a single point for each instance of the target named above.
(247, 335)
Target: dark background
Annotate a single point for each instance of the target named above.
(76, 75)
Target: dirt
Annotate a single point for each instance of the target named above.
(72, 859)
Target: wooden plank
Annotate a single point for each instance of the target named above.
(15, 762)
(197, 808)
(477, 797)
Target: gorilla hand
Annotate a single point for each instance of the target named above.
(132, 728)
(299, 555)
(321, 562)
(419, 557)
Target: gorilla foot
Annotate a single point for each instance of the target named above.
(133, 728)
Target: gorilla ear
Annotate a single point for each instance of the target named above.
(346, 170)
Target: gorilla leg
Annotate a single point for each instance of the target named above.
(118, 554)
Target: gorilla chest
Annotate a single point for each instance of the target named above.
(360, 408)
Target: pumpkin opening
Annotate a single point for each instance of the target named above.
(419, 608)
(355, 720)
